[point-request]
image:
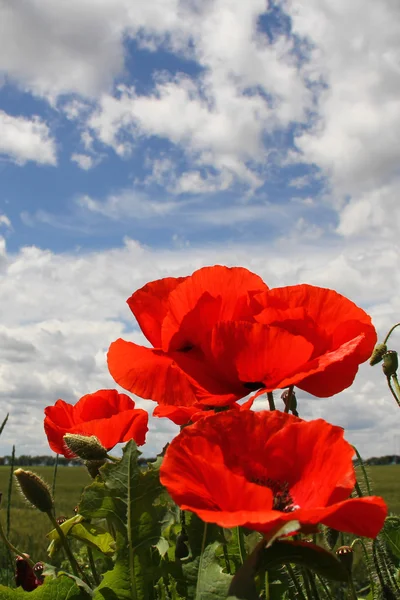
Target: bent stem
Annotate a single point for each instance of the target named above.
(389, 333)
(367, 563)
(13, 548)
(397, 398)
(93, 566)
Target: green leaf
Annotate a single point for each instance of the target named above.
(116, 584)
(99, 502)
(391, 533)
(137, 503)
(305, 554)
(61, 588)
(206, 573)
(88, 533)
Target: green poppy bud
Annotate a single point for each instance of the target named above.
(84, 446)
(377, 354)
(390, 363)
(35, 490)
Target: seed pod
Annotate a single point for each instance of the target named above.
(390, 363)
(377, 354)
(84, 446)
(345, 555)
(35, 490)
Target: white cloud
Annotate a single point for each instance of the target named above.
(61, 311)
(5, 221)
(84, 161)
(24, 140)
(356, 50)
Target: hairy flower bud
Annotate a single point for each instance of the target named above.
(377, 354)
(35, 490)
(86, 447)
(390, 363)
(345, 555)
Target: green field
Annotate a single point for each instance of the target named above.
(29, 526)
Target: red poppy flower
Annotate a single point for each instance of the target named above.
(178, 317)
(183, 415)
(340, 332)
(221, 333)
(284, 470)
(110, 416)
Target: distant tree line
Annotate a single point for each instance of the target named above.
(43, 460)
(390, 459)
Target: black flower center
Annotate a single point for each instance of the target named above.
(253, 385)
(282, 499)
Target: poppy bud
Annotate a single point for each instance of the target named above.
(24, 575)
(377, 354)
(38, 569)
(86, 447)
(35, 490)
(93, 467)
(390, 363)
(345, 555)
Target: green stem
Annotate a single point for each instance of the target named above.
(53, 486)
(113, 458)
(326, 589)
(10, 484)
(392, 390)
(288, 403)
(364, 472)
(74, 565)
(271, 402)
(130, 540)
(352, 589)
(367, 563)
(225, 551)
(296, 584)
(390, 331)
(92, 564)
(266, 586)
(203, 545)
(396, 387)
(13, 548)
(242, 549)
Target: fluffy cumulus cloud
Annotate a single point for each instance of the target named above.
(60, 313)
(24, 139)
(262, 134)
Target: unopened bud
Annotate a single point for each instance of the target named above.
(345, 555)
(390, 363)
(86, 447)
(93, 467)
(377, 354)
(35, 490)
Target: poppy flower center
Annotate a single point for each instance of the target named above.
(253, 385)
(282, 499)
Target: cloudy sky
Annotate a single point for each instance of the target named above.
(145, 139)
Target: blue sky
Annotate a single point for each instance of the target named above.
(140, 140)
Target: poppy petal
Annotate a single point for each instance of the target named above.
(150, 305)
(122, 427)
(234, 285)
(149, 373)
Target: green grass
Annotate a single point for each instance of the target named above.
(29, 526)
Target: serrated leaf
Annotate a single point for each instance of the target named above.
(211, 583)
(61, 588)
(99, 502)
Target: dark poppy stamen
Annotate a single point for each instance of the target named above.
(282, 499)
(186, 348)
(253, 385)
